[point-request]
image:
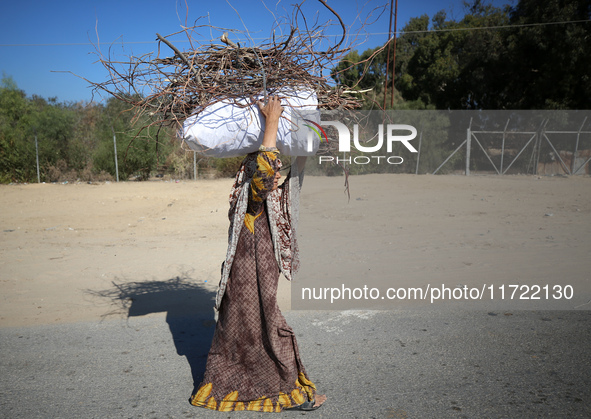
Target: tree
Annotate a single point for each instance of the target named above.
(453, 67)
(361, 72)
(519, 59)
(549, 63)
(53, 125)
(17, 151)
(138, 150)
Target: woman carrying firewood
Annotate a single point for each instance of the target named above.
(254, 362)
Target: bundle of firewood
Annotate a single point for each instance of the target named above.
(171, 89)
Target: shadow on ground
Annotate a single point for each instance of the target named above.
(188, 305)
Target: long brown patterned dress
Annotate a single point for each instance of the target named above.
(254, 363)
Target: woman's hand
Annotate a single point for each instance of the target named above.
(271, 111)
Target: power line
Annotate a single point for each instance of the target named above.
(523, 25)
(398, 33)
(69, 44)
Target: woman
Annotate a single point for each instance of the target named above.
(254, 363)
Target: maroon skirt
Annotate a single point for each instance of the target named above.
(253, 362)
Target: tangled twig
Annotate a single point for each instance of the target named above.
(170, 89)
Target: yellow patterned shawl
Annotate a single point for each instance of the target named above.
(252, 182)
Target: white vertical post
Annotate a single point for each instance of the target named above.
(194, 165)
(419, 152)
(468, 141)
(574, 169)
(539, 138)
(115, 147)
(37, 158)
(503, 145)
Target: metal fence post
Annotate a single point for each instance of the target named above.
(115, 146)
(503, 144)
(194, 165)
(574, 169)
(468, 141)
(419, 152)
(37, 158)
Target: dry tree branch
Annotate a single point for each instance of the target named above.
(175, 87)
(164, 91)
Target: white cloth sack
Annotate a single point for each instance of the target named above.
(225, 129)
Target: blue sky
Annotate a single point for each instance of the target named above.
(40, 41)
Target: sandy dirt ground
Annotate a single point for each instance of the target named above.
(66, 250)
